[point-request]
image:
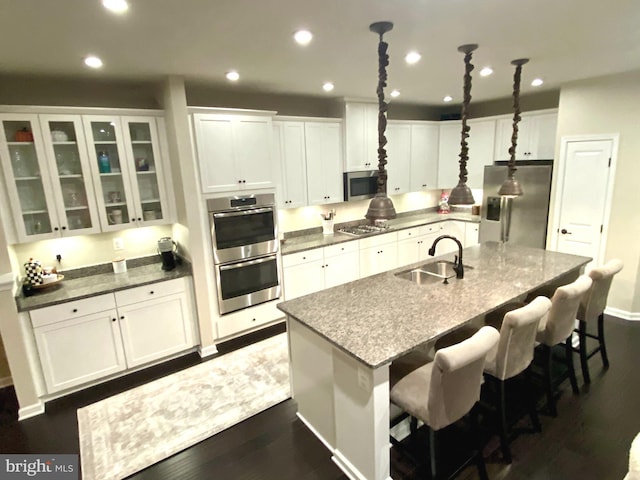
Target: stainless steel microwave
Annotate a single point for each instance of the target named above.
(360, 185)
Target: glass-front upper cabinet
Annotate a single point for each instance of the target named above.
(65, 144)
(49, 187)
(125, 159)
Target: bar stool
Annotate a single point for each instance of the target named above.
(444, 390)
(557, 329)
(513, 356)
(591, 312)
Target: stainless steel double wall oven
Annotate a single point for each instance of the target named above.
(245, 243)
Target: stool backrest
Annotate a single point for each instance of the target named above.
(564, 308)
(594, 301)
(518, 338)
(457, 376)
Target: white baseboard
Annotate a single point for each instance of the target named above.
(207, 351)
(315, 432)
(348, 468)
(6, 381)
(31, 411)
(616, 312)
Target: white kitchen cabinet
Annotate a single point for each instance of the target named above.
(303, 273)
(424, 156)
(48, 180)
(481, 143)
(324, 162)
(234, 151)
(455, 228)
(78, 341)
(414, 243)
(314, 270)
(413, 156)
(399, 158)
(155, 321)
(378, 254)
(536, 136)
(128, 171)
(341, 263)
(361, 136)
(291, 152)
(471, 234)
(86, 340)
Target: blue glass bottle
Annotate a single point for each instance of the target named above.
(103, 162)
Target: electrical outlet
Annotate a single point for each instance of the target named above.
(118, 243)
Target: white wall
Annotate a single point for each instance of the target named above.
(610, 105)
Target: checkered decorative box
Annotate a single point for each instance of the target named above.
(33, 270)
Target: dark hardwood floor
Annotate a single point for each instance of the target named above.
(589, 439)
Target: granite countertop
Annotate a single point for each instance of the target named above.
(299, 243)
(92, 285)
(380, 318)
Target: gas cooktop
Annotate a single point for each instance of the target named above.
(362, 230)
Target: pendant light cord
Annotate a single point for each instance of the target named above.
(383, 62)
(466, 99)
(516, 118)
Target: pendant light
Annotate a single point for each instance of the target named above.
(381, 207)
(461, 193)
(511, 187)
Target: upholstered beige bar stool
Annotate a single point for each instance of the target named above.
(444, 390)
(513, 356)
(557, 328)
(591, 313)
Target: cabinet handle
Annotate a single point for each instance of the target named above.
(151, 292)
(75, 310)
(122, 317)
(424, 184)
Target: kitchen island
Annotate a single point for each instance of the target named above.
(343, 339)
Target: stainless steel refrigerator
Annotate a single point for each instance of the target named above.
(521, 220)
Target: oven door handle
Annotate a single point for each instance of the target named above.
(247, 263)
(248, 211)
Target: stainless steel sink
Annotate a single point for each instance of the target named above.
(434, 272)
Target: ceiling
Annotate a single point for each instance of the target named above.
(566, 40)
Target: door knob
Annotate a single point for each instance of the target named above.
(565, 232)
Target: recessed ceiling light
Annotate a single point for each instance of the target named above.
(303, 37)
(486, 71)
(232, 76)
(537, 82)
(412, 57)
(448, 98)
(92, 61)
(395, 93)
(327, 87)
(117, 6)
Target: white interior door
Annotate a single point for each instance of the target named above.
(583, 197)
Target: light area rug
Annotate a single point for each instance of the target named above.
(128, 432)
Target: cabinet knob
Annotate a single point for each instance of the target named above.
(122, 317)
(139, 219)
(424, 184)
(75, 310)
(253, 319)
(64, 228)
(151, 292)
(56, 228)
(113, 319)
(133, 220)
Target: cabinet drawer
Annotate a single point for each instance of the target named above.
(74, 309)
(150, 291)
(248, 318)
(341, 248)
(431, 228)
(302, 257)
(410, 233)
(377, 240)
